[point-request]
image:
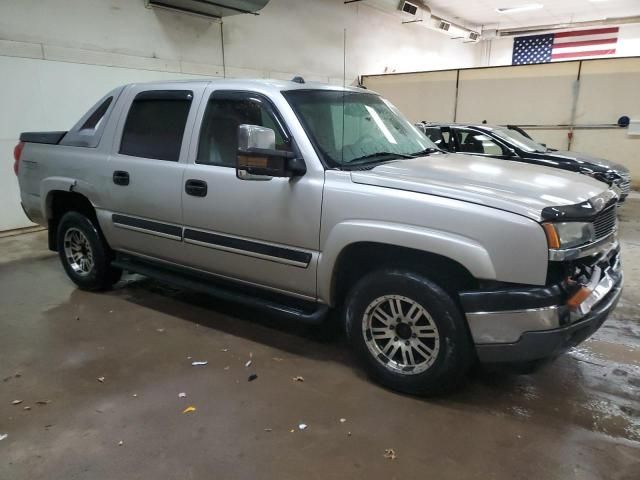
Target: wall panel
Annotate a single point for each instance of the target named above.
(426, 96)
(608, 90)
(515, 94)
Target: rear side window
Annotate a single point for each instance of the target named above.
(94, 120)
(155, 124)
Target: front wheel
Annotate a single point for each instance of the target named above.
(408, 332)
(84, 253)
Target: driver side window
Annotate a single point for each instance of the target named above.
(470, 141)
(218, 143)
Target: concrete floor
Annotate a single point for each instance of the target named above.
(577, 418)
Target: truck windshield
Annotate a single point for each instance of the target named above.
(519, 140)
(354, 128)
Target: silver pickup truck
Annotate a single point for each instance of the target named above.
(303, 199)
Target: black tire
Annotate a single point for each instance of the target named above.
(101, 275)
(441, 372)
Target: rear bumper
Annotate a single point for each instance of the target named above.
(537, 345)
(526, 324)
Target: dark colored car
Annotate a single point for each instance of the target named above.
(513, 143)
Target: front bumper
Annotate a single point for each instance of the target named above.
(520, 325)
(537, 345)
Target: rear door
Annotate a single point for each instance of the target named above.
(264, 232)
(146, 168)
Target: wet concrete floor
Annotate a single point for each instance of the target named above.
(578, 418)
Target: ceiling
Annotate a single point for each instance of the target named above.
(483, 12)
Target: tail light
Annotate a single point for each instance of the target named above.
(17, 152)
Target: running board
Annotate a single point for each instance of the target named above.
(305, 311)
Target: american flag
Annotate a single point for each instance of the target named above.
(550, 47)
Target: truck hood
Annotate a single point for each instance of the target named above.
(515, 187)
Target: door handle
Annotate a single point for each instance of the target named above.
(120, 177)
(196, 188)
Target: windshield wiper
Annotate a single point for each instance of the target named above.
(426, 151)
(377, 157)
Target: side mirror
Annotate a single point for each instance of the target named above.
(258, 158)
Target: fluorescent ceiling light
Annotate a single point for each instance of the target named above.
(520, 8)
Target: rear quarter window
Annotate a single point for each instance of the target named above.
(96, 117)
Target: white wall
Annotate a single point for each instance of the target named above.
(499, 51)
(57, 57)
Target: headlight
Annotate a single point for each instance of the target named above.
(563, 235)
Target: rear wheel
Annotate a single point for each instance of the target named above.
(84, 253)
(408, 332)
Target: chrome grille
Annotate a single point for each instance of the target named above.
(605, 222)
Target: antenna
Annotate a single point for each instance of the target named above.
(298, 79)
(344, 85)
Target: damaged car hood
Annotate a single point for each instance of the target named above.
(515, 187)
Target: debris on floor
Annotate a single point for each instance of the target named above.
(224, 349)
(43, 402)
(390, 453)
(27, 408)
(268, 429)
(101, 379)
(227, 367)
(120, 443)
(348, 434)
(3, 436)
(182, 395)
(16, 402)
(298, 379)
(160, 330)
(342, 420)
(302, 426)
(189, 409)
(248, 364)
(134, 395)
(199, 363)
(277, 359)
(252, 377)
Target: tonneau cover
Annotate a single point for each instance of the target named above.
(52, 138)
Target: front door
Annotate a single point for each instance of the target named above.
(262, 232)
(144, 175)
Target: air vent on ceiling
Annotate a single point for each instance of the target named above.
(444, 25)
(409, 8)
(473, 36)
